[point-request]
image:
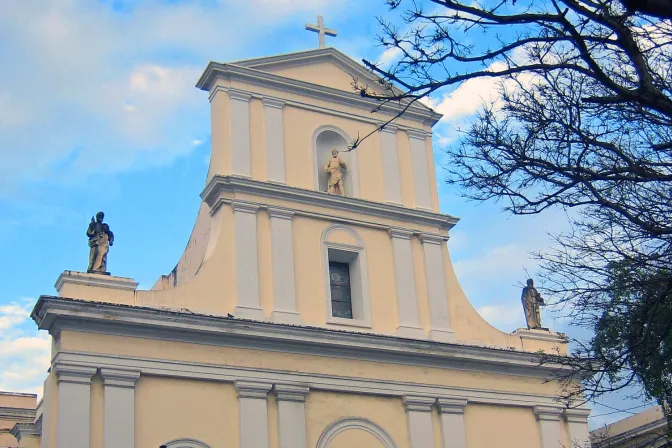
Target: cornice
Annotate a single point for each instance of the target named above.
(252, 389)
(216, 70)
(291, 392)
(418, 403)
(551, 413)
(99, 280)
(56, 314)
(20, 430)
(17, 414)
(219, 188)
(123, 378)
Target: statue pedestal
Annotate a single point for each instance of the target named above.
(542, 339)
(96, 287)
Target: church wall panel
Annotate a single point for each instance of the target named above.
(265, 262)
(326, 73)
(188, 352)
(501, 427)
(310, 293)
(220, 128)
(324, 408)
(96, 435)
(168, 409)
(421, 284)
(405, 172)
(431, 168)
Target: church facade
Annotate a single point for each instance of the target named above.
(300, 315)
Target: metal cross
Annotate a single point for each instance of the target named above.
(321, 30)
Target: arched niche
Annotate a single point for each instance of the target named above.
(354, 424)
(325, 139)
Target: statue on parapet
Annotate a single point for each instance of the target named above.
(100, 240)
(532, 303)
(334, 168)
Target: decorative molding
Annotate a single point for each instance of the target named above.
(389, 128)
(550, 413)
(119, 378)
(252, 389)
(291, 392)
(433, 238)
(244, 207)
(576, 415)
(341, 228)
(358, 423)
(20, 430)
(57, 313)
(76, 374)
(234, 71)
(273, 102)
(418, 403)
(418, 134)
(185, 443)
(396, 232)
(541, 335)
(218, 190)
(451, 405)
(239, 95)
(281, 213)
(97, 280)
(22, 415)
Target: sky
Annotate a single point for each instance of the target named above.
(98, 111)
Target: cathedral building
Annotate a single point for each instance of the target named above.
(315, 304)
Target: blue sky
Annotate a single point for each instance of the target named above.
(98, 111)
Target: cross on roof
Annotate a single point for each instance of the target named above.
(321, 30)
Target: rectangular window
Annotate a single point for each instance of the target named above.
(341, 296)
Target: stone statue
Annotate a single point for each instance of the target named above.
(334, 167)
(100, 240)
(532, 303)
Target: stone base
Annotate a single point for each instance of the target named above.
(245, 312)
(411, 332)
(97, 287)
(89, 271)
(442, 335)
(286, 317)
(541, 334)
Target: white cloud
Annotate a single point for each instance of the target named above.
(503, 314)
(498, 262)
(24, 352)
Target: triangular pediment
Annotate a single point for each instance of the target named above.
(326, 67)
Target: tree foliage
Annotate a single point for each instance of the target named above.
(584, 123)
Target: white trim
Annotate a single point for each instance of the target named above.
(359, 277)
(390, 163)
(359, 423)
(541, 335)
(577, 426)
(419, 164)
(439, 314)
(291, 415)
(248, 303)
(419, 411)
(55, 313)
(97, 280)
(219, 189)
(20, 430)
(351, 160)
(404, 276)
(240, 133)
(549, 425)
(186, 443)
(453, 431)
(119, 407)
(282, 262)
(253, 413)
(275, 140)
(74, 404)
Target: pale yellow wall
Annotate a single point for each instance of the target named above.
(220, 134)
(97, 398)
(257, 139)
(501, 427)
(50, 405)
(355, 438)
(405, 173)
(328, 74)
(29, 442)
(433, 187)
(168, 409)
(324, 408)
(157, 349)
(265, 262)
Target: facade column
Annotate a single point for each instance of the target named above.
(247, 266)
(291, 415)
(253, 412)
(74, 405)
(391, 175)
(421, 180)
(404, 276)
(282, 253)
(577, 426)
(419, 410)
(240, 133)
(439, 315)
(119, 407)
(549, 426)
(275, 141)
(453, 431)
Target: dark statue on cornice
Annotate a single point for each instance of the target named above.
(100, 240)
(532, 303)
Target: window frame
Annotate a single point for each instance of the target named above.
(355, 256)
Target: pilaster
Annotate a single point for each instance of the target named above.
(282, 254)
(247, 266)
(419, 410)
(291, 415)
(240, 133)
(423, 199)
(436, 288)
(390, 163)
(74, 404)
(577, 427)
(453, 432)
(404, 277)
(275, 146)
(253, 412)
(549, 425)
(119, 407)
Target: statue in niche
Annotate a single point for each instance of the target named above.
(532, 303)
(334, 168)
(100, 240)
